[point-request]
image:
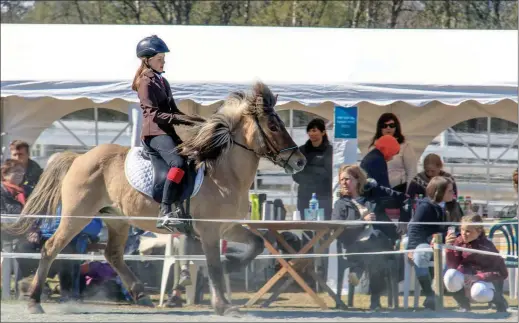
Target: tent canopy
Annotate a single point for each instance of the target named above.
(306, 65)
(49, 71)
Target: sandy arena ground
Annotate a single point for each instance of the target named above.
(292, 307)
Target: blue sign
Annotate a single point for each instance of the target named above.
(345, 123)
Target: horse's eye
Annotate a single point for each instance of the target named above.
(273, 126)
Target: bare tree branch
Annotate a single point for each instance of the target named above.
(79, 12)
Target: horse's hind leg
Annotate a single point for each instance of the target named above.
(67, 230)
(114, 254)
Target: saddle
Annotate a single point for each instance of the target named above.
(146, 172)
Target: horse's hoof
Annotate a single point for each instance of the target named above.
(232, 311)
(145, 301)
(35, 308)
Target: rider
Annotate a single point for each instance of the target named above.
(160, 113)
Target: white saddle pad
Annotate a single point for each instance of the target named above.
(139, 173)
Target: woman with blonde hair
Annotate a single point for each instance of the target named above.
(356, 194)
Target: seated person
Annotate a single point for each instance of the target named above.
(183, 246)
(433, 166)
(439, 190)
(473, 276)
(12, 193)
(352, 206)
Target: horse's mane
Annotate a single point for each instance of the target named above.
(209, 141)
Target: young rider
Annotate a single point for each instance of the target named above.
(160, 114)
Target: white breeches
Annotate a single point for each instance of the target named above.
(480, 292)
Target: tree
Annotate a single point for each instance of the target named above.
(475, 14)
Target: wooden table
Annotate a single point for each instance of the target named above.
(325, 234)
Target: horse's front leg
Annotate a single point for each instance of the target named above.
(211, 247)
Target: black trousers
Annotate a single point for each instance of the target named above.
(375, 265)
(67, 270)
(166, 148)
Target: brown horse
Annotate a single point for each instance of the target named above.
(230, 143)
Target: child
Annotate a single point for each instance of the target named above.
(473, 276)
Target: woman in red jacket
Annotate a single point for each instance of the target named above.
(473, 276)
(160, 114)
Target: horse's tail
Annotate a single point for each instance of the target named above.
(45, 197)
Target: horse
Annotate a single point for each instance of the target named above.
(228, 144)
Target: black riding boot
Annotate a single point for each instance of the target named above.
(170, 211)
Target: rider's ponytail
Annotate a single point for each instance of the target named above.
(137, 77)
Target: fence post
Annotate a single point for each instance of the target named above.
(438, 271)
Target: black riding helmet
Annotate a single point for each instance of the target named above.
(151, 46)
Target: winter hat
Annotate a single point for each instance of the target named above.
(388, 146)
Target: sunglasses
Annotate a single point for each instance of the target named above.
(389, 125)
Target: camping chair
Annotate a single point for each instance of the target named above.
(509, 230)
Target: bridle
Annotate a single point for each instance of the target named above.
(272, 152)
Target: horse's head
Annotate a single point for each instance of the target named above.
(250, 122)
(267, 135)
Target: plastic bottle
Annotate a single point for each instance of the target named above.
(314, 206)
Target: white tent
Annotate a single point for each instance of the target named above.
(49, 71)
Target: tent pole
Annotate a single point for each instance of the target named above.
(96, 125)
(135, 119)
(487, 192)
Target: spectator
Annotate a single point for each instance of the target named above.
(375, 161)
(20, 151)
(440, 189)
(353, 206)
(316, 177)
(183, 246)
(433, 165)
(402, 167)
(473, 276)
(12, 194)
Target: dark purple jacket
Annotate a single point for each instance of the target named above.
(485, 267)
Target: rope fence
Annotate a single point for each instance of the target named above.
(93, 257)
(12, 217)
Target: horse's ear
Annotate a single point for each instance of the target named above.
(258, 89)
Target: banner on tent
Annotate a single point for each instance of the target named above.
(345, 151)
(345, 122)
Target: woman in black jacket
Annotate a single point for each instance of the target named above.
(357, 196)
(431, 209)
(317, 175)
